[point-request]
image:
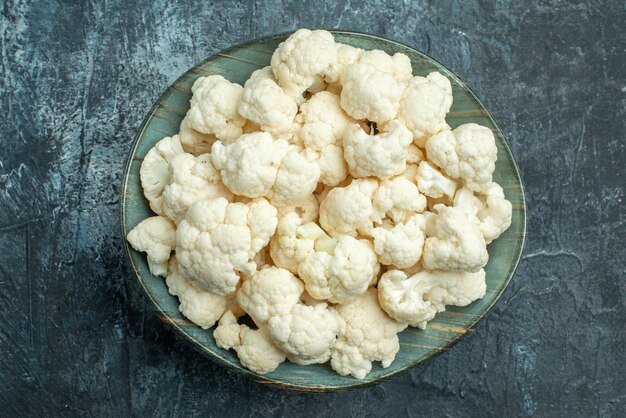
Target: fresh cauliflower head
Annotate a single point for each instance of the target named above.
(457, 244)
(424, 105)
(296, 178)
(367, 334)
(398, 64)
(490, 207)
(398, 199)
(400, 245)
(218, 239)
(383, 155)
(346, 210)
(156, 236)
(417, 299)
(469, 153)
(340, 273)
(432, 183)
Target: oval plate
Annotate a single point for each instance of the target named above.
(417, 346)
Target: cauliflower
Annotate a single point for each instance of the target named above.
(398, 65)
(226, 333)
(416, 300)
(457, 244)
(432, 183)
(468, 153)
(194, 142)
(191, 179)
(424, 105)
(333, 167)
(156, 236)
(397, 199)
(346, 55)
(257, 352)
(338, 273)
(296, 178)
(217, 239)
(367, 334)
(201, 308)
(492, 209)
(400, 245)
(307, 209)
(369, 93)
(154, 172)
(346, 210)
(266, 104)
(383, 155)
(306, 334)
(249, 166)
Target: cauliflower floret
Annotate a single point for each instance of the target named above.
(458, 243)
(346, 210)
(339, 272)
(227, 332)
(383, 155)
(369, 93)
(307, 209)
(257, 352)
(398, 65)
(156, 236)
(191, 179)
(397, 199)
(491, 208)
(217, 239)
(306, 334)
(194, 142)
(367, 334)
(270, 292)
(469, 152)
(400, 245)
(201, 308)
(333, 167)
(432, 183)
(414, 156)
(249, 166)
(296, 178)
(266, 104)
(417, 299)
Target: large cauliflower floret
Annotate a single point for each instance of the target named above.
(469, 153)
(491, 208)
(303, 60)
(218, 239)
(191, 179)
(266, 104)
(369, 93)
(398, 199)
(458, 243)
(400, 245)
(432, 183)
(341, 273)
(154, 172)
(417, 299)
(346, 210)
(306, 334)
(398, 64)
(156, 236)
(201, 308)
(249, 165)
(383, 155)
(296, 178)
(424, 105)
(367, 334)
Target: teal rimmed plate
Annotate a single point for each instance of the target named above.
(417, 346)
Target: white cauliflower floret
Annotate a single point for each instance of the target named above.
(491, 208)
(191, 179)
(432, 183)
(400, 245)
(367, 334)
(398, 199)
(414, 156)
(306, 334)
(227, 332)
(257, 352)
(369, 93)
(398, 65)
(307, 209)
(469, 153)
(201, 308)
(249, 165)
(458, 243)
(156, 236)
(296, 178)
(218, 239)
(346, 55)
(270, 292)
(192, 141)
(383, 155)
(417, 299)
(338, 273)
(346, 210)
(266, 104)
(424, 105)
(333, 167)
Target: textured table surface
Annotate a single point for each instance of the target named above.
(77, 337)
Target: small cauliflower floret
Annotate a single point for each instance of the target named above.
(398, 65)
(339, 272)
(201, 308)
(401, 245)
(266, 104)
(257, 352)
(227, 332)
(417, 299)
(333, 167)
(270, 292)
(303, 60)
(457, 244)
(414, 156)
(194, 142)
(218, 239)
(306, 334)
(398, 199)
(346, 210)
(432, 183)
(249, 165)
(191, 179)
(424, 105)
(491, 208)
(296, 178)
(308, 209)
(383, 155)
(369, 93)
(469, 153)
(367, 334)
(154, 171)
(156, 236)
(346, 55)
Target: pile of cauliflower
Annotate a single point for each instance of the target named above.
(328, 200)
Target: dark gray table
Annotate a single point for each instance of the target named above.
(78, 338)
